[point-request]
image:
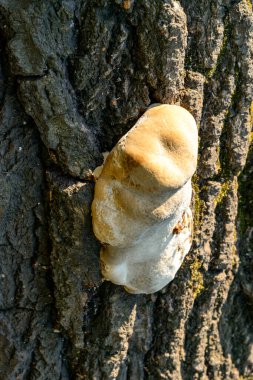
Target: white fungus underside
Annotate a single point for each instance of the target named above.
(153, 261)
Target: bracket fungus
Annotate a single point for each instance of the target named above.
(141, 208)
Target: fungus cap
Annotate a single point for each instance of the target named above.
(159, 152)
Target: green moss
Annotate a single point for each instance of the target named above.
(198, 202)
(197, 281)
(210, 72)
(249, 5)
(234, 256)
(223, 192)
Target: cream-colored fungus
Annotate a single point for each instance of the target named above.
(141, 210)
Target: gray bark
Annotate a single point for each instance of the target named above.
(75, 75)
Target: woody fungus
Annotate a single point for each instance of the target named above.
(141, 208)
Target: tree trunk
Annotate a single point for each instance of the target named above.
(75, 76)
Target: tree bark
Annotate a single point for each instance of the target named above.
(75, 75)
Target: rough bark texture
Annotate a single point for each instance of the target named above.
(75, 75)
